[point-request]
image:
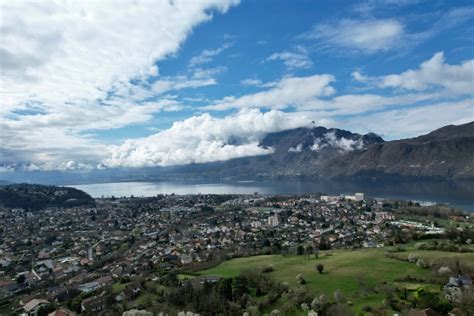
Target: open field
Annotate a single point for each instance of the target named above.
(344, 270)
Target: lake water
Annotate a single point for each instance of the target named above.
(457, 194)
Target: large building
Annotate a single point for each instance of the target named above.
(273, 220)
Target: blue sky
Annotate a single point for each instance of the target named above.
(92, 85)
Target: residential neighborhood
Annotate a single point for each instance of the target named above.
(85, 259)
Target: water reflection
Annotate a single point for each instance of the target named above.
(459, 194)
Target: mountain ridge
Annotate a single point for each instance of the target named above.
(315, 153)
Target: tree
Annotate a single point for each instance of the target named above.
(46, 309)
(299, 250)
(320, 268)
(225, 288)
(324, 243)
(20, 279)
(309, 251)
(339, 310)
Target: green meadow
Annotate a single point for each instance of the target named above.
(345, 270)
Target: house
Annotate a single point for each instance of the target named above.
(8, 287)
(89, 287)
(93, 305)
(458, 288)
(105, 281)
(131, 292)
(204, 279)
(136, 312)
(32, 307)
(62, 312)
(186, 259)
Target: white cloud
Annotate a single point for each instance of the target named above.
(70, 65)
(344, 144)
(358, 76)
(331, 140)
(349, 104)
(297, 149)
(291, 91)
(251, 82)
(317, 145)
(365, 36)
(433, 73)
(205, 138)
(207, 55)
(292, 60)
(414, 121)
(63, 166)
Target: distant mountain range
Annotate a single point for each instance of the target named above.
(314, 153)
(446, 153)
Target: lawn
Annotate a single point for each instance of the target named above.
(118, 287)
(343, 270)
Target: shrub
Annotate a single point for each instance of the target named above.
(320, 268)
(268, 269)
(422, 246)
(300, 279)
(422, 263)
(444, 271)
(412, 257)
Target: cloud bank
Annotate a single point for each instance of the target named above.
(205, 139)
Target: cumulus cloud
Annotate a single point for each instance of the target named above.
(289, 91)
(433, 73)
(205, 138)
(72, 67)
(365, 36)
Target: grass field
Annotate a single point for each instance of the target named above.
(342, 270)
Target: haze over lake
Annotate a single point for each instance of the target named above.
(457, 194)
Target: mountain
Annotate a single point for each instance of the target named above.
(320, 153)
(35, 197)
(446, 153)
(314, 153)
(297, 152)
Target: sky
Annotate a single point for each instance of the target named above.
(89, 85)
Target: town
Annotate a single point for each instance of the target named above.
(108, 257)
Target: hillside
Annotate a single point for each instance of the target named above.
(446, 153)
(357, 274)
(320, 153)
(35, 197)
(297, 152)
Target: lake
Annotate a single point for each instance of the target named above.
(457, 194)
